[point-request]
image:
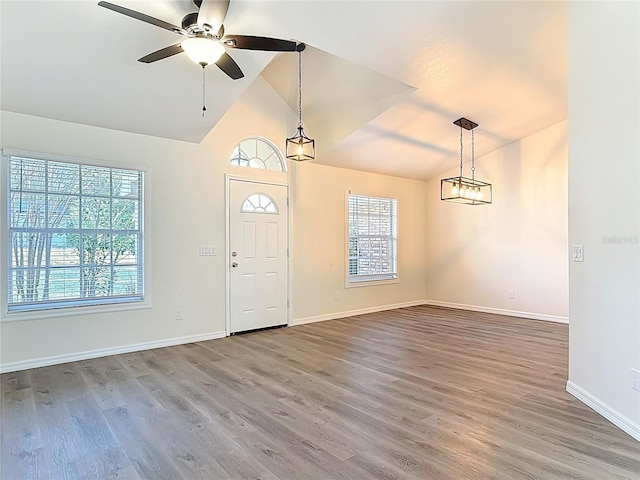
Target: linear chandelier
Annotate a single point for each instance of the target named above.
(462, 189)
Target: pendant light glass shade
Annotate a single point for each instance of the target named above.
(300, 147)
(463, 189)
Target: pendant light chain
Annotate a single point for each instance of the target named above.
(300, 147)
(204, 108)
(299, 89)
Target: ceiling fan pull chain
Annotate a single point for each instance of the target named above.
(204, 107)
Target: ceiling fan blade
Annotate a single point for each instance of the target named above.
(229, 66)
(248, 42)
(162, 53)
(142, 17)
(212, 14)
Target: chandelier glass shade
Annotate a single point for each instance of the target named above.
(465, 190)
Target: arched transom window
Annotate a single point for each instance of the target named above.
(259, 153)
(259, 203)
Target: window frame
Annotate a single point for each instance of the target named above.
(73, 308)
(281, 159)
(382, 279)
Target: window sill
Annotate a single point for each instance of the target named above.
(72, 311)
(371, 283)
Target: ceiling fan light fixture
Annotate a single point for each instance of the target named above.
(202, 50)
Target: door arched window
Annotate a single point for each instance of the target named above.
(259, 203)
(256, 152)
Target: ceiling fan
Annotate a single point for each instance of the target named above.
(206, 40)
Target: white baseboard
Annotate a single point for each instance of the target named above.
(500, 311)
(352, 313)
(625, 424)
(104, 352)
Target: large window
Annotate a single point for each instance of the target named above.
(75, 234)
(373, 240)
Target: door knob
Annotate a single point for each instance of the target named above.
(234, 264)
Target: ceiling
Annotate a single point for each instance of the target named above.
(382, 81)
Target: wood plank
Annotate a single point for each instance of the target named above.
(94, 439)
(22, 454)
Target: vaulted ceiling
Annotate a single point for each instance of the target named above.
(382, 81)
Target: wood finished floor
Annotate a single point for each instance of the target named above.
(415, 393)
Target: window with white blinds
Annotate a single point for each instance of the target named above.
(373, 240)
(75, 234)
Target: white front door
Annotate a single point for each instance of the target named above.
(258, 231)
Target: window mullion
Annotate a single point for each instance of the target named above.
(80, 231)
(111, 269)
(10, 239)
(45, 234)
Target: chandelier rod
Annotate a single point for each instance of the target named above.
(300, 89)
(461, 148)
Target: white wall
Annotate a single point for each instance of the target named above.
(319, 242)
(186, 209)
(604, 207)
(476, 254)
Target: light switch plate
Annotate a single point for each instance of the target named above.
(578, 253)
(207, 250)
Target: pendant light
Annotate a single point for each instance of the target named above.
(462, 189)
(300, 147)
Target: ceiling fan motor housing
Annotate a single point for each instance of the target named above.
(190, 24)
(190, 20)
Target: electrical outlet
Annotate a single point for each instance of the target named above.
(179, 314)
(336, 296)
(512, 295)
(635, 379)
